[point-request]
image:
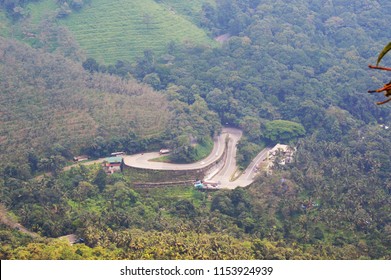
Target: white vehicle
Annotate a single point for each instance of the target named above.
(164, 151)
(117, 154)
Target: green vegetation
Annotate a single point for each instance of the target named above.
(199, 151)
(204, 148)
(40, 10)
(52, 107)
(295, 218)
(157, 176)
(188, 153)
(165, 158)
(247, 151)
(4, 24)
(280, 131)
(191, 123)
(125, 29)
(190, 9)
(299, 61)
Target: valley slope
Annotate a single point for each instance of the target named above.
(48, 101)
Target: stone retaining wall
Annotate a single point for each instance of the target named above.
(162, 184)
(154, 178)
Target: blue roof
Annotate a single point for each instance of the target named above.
(114, 159)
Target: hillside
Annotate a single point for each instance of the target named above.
(4, 28)
(109, 31)
(190, 9)
(47, 100)
(292, 72)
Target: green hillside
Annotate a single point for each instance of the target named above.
(190, 9)
(186, 6)
(4, 28)
(40, 9)
(122, 30)
(47, 100)
(110, 31)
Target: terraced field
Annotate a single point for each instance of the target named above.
(40, 9)
(190, 9)
(112, 30)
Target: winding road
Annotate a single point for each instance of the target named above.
(224, 176)
(144, 160)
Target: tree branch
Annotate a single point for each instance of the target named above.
(379, 67)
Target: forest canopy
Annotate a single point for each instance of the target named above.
(282, 131)
(284, 71)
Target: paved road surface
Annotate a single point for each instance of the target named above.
(222, 176)
(225, 178)
(248, 176)
(143, 160)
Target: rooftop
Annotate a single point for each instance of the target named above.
(114, 159)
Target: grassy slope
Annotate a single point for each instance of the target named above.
(203, 150)
(190, 9)
(183, 6)
(40, 9)
(4, 28)
(109, 30)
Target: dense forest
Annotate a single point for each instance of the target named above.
(285, 72)
(50, 102)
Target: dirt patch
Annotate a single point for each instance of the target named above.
(223, 38)
(6, 219)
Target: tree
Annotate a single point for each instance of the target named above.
(91, 65)
(246, 152)
(77, 4)
(145, 65)
(121, 195)
(33, 161)
(84, 190)
(282, 131)
(153, 80)
(222, 203)
(251, 127)
(100, 180)
(183, 151)
(52, 164)
(185, 208)
(219, 101)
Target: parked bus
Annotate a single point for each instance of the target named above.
(115, 154)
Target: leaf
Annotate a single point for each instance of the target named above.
(383, 53)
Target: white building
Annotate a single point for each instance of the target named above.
(283, 152)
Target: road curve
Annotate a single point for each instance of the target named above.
(143, 160)
(248, 176)
(223, 177)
